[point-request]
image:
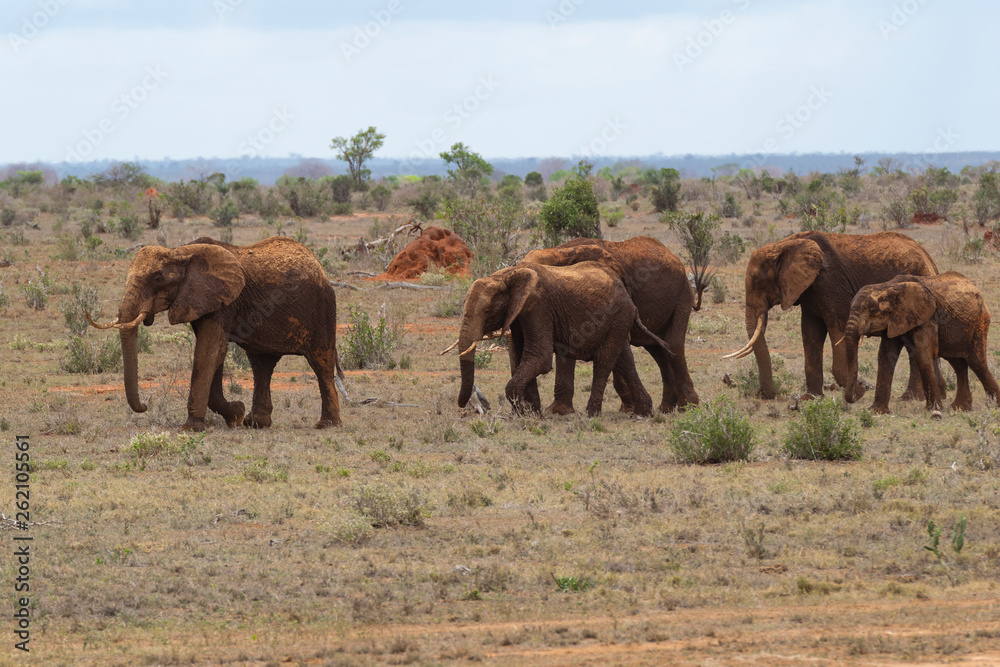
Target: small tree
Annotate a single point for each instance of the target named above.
(571, 212)
(986, 200)
(665, 193)
(356, 151)
(697, 232)
(533, 179)
(490, 227)
(469, 168)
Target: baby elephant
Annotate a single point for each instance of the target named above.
(933, 316)
(580, 312)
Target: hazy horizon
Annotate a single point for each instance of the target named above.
(574, 78)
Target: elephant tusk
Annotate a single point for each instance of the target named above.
(748, 348)
(109, 325)
(130, 325)
(840, 341)
(496, 334)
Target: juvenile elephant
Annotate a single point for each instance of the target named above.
(821, 273)
(938, 316)
(581, 312)
(657, 283)
(271, 298)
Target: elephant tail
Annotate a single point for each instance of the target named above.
(659, 341)
(340, 372)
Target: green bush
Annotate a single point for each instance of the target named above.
(225, 214)
(36, 292)
(427, 201)
(82, 300)
(381, 195)
(822, 433)
(571, 212)
(534, 179)
(986, 200)
(747, 379)
(729, 248)
(302, 194)
(665, 193)
(82, 357)
(730, 207)
(368, 346)
(384, 507)
(341, 188)
(4, 299)
(712, 433)
(189, 198)
(490, 227)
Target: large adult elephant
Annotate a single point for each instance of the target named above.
(580, 312)
(657, 283)
(822, 272)
(939, 316)
(271, 298)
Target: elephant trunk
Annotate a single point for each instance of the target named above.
(756, 319)
(129, 311)
(471, 330)
(856, 327)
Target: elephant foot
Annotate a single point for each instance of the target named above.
(880, 409)
(627, 408)
(326, 422)
(913, 395)
(257, 421)
(236, 412)
(964, 407)
(667, 407)
(935, 414)
(194, 424)
(559, 408)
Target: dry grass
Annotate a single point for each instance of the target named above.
(259, 546)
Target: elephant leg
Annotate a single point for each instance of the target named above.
(963, 393)
(915, 384)
(923, 347)
(671, 398)
(529, 367)
(814, 334)
(840, 368)
(324, 364)
(625, 374)
(260, 412)
(562, 403)
(624, 391)
(888, 353)
(209, 352)
(531, 396)
(232, 411)
(977, 362)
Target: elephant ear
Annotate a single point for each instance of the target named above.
(909, 305)
(213, 279)
(797, 269)
(522, 292)
(567, 255)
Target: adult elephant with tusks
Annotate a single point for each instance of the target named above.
(822, 272)
(657, 283)
(580, 312)
(271, 298)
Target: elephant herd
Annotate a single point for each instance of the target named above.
(586, 300)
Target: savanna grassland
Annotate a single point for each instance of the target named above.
(422, 534)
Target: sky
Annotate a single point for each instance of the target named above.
(124, 79)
